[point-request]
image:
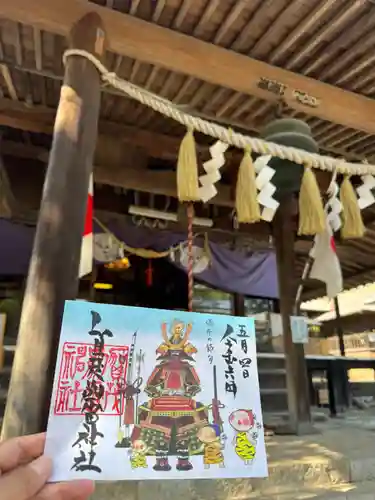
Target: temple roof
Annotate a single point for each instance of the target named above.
(235, 62)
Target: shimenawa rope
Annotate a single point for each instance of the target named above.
(169, 109)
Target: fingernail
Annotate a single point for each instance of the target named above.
(42, 466)
(86, 484)
(84, 487)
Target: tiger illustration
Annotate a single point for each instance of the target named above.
(242, 421)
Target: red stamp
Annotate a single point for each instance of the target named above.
(74, 364)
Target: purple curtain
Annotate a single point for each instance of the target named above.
(236, 271)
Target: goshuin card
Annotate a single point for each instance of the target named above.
(154, 394)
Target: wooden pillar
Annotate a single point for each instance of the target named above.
(345, 387)
(295, 364)
(339, 328)
(238, 305)
(54, 262)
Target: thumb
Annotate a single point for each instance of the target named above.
(26, 481)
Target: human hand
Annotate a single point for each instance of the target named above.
(24, 472)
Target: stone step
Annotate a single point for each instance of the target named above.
(239, 489)
(315, 477)
(274, 400)
(280, 486)
(272, 379)
(346, 491)
(270, 363)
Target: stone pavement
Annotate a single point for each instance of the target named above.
(337, 463)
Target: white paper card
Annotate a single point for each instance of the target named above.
(152, 394)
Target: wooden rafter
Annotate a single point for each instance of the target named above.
(127, 176)
(131, 37)
(40, 119)
(351, 280)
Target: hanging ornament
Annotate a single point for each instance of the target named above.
(201, 260)
(247, 206)
(312, 219)
(106, 248)
(149, 274)
(334, 206)
(352, 226)
(212, 167)
(266, 189)
(187, 170)
(364, 191)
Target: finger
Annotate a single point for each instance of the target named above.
(20, 450)
(26, 481)
(74, 490)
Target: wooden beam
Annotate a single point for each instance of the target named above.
(129, 177)
(216, 118)
(132, 37)
(344, 252)
(40, 119)
(219, 233)
(156, 182)
(53, 274)
(355, 323)
(360, 278)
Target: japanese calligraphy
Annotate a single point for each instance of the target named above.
(230, 360)
(306, 99)
(245, 361)
(272, 86)
(74, 372)
(92, 397)
(279, 89)
(210, 345)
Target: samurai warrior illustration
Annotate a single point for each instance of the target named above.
(169, 422)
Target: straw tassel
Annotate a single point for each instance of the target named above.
(187, 170)
(312, 218)
(247, 205)
(352, 226)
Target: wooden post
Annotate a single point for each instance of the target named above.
(295, 364)
(54, 262)
(345, 388)
(239, 305)
(339, 329)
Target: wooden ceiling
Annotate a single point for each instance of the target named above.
(237, 62)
